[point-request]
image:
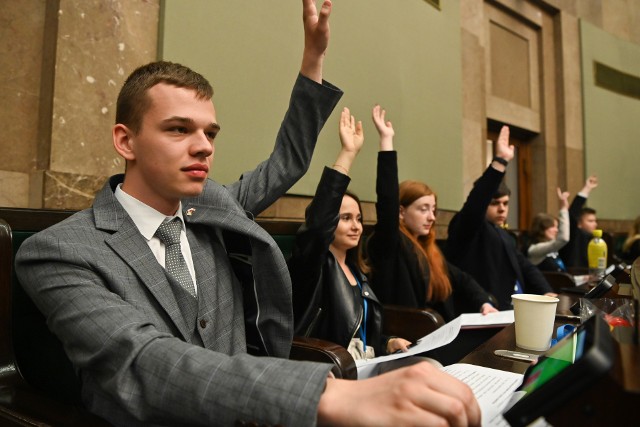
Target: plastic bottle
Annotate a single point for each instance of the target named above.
(597, 254)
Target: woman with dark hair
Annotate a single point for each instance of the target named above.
(547, 235)
(332, 299)
(407, 266)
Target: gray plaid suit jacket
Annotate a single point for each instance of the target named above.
(147, 356)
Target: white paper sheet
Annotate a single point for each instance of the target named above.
(494, 390)
(479, 320)
(441, 336)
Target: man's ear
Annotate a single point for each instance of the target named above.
(401, 213)
(123, 141)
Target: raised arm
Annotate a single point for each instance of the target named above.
(314, 237)
(563, 197)
(563, 219)
(575, 210)
(384, 127)
(316, 38)
(469, 220)
(388, 204)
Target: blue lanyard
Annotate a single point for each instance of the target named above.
(363, 325)
(518, 287)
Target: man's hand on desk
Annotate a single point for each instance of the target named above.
(420, 394)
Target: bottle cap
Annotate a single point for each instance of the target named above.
(597, 233)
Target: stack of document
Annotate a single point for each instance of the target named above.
(495, 390)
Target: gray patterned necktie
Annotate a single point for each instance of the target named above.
(169, 233)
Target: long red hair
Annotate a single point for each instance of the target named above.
(439, 288)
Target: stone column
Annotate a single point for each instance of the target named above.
(75, 57)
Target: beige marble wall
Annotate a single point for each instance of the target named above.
(21, 39)
(560, 154)
(61, 69)
(59, 161)
(98, 44)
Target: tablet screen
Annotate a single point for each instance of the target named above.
(572, 364)
(559, 358)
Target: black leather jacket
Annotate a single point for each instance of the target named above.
(325, 305)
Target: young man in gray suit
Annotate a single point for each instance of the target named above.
(170, 346)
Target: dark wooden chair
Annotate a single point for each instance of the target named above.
(559, 280)
(317, 350)
(38, 385)
(410, 323)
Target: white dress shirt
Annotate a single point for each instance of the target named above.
(147, 219)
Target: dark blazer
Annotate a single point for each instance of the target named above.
(574, 253)
(488, 252)
(148, 356)
(397, 277)
(325, 305)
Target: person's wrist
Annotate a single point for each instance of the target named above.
(504, 162)
(341, 168)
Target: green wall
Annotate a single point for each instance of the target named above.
(404, 55)
(611, 126)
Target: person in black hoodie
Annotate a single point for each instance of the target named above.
(478, 243)
(332, 299)
(408, 269)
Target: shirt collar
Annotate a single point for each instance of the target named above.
(146, 218)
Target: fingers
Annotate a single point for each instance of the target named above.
(420, 394)
(562, 195)
(325, 12)
(375, 114)
(504, 135)
(503, 149)
(344, 118)
(446, 396)
(359, 130)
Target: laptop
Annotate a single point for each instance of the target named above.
(573, 364)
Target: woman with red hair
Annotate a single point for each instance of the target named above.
(407, 267)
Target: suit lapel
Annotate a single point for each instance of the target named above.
(132, 248)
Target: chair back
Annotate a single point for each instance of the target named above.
(410, 323)
(38, 356)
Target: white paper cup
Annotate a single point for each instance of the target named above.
(534, 317)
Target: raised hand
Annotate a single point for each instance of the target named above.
(316, 38)
(384, 127)
(503, 148)
(351, 134)
(590, 184)
(351, 138)
(563, 196)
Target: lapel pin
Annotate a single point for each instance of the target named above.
(190, 211)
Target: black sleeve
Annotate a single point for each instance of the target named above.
(469, 220)
(534, 281)
(314, 237)
(383, 244)
(468, 294)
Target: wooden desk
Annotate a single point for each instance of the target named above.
(610, 401)
(504, 340)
